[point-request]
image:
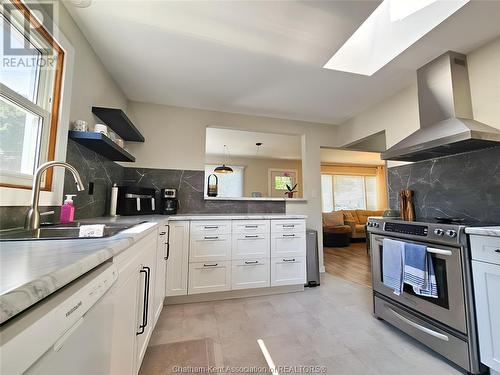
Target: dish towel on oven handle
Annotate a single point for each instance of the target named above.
(393, 264)
(419, 270)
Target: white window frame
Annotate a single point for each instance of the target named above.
(22, 197)
(334, 183)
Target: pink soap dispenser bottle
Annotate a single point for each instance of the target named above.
(68, 209)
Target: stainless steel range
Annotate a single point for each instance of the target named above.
(447, 323)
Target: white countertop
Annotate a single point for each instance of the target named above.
(32, 270)
(484, 231)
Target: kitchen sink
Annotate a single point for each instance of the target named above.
(61, 232)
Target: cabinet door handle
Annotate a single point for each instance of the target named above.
(254, 262)
(289, 235)
(210, 265)
(146, 271)
(289, 260)
(251, 236)
(211, 237)
(497, 250)
(163, 233)
(168, 251)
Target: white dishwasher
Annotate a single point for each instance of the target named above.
(68, 333)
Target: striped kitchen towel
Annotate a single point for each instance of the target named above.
(419, 270)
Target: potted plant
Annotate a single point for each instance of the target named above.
(290, 190)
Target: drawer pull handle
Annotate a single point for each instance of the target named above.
(163, 233)
(251, 226)
(289, 260)
(288, 225)
(210, 265)
(254, 262)
(497, 251)
(211, 237)
(289, 235)
(254, 236)
(418, 326)
(212, 227)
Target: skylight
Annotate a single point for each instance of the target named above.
(393, 27)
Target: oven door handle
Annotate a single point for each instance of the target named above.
(420, 327)
(439, 251)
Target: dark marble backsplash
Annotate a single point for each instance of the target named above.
(190, 186)
(102, 173)
(465, 185)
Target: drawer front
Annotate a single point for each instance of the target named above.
(251, 226)
(485, 248)
(251, 245)
(435, 338)
(287, 226)
(288, 271)
(210, 247)
(209, 227)
(288, 244)
(208, 277)
(251, 273)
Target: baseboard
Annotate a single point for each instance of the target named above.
(217, 296)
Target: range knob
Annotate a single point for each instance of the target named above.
(376, 225)
(451, 233)
(439, 232)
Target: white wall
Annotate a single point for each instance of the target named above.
(398, 115)
(175, 138)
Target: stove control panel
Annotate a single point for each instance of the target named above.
(412, 229)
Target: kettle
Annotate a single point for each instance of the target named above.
(212, 188)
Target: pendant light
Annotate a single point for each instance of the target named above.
(224, 168)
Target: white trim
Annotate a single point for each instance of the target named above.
(22, 197)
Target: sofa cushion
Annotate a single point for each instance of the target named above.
(363, 215)
(349, 215)
(332, 219)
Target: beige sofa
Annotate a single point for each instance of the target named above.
(357, 219)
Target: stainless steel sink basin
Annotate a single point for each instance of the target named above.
(60, 232)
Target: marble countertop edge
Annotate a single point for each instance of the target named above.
(484, 231)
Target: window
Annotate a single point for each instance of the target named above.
(346, 192)
(280, 182)
(230, 184)
(30, 86)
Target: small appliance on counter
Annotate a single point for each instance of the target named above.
(169, 201)
(133, 200)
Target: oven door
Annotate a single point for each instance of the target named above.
(449, 307)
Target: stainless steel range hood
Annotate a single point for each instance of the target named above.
(445, 109)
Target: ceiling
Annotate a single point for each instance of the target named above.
(242, 144)
(334, 156)
(260, 57)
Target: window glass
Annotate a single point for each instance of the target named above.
(19, 138)
(24, 77)
(371, 192)
(349, 192)
(327, 192)
(280, 182)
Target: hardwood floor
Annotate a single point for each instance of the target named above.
(351, 263)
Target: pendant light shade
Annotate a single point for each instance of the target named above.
(224, 168)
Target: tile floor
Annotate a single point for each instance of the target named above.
(329, 326)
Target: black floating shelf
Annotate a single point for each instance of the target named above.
(117, 120)
(102, 145)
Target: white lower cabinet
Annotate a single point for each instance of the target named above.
(288, 244)
(177, 259)
(208, 277)
(210, 247)
(250, 273)
(133, 296)
(250, 245)
(486, 273)
(288, 271)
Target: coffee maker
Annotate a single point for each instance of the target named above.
(169, 201)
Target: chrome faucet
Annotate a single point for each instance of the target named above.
(33, 216)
